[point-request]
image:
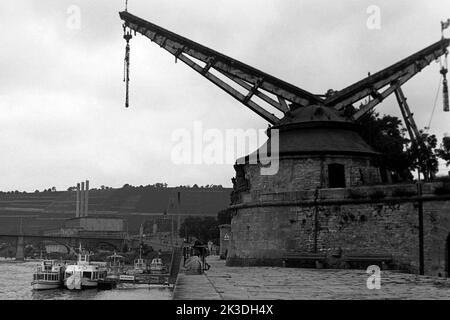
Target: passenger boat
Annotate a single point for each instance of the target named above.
(140, 266)
(48, 275)
(115, 266)
(157, 266)
(84, 274)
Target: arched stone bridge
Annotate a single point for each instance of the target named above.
(71, 242)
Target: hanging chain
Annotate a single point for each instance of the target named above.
(126, 74)
(444, 71)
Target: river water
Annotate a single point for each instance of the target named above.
(16, 277)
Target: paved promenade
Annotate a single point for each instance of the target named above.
(251, 283)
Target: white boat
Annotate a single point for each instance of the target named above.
(115, 266)
(140, 266)
(49, 275)
(84, 274)
(157, 266)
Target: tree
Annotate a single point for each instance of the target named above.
(444, 151)
(202, 228)
(386, 135)
(224, 217)
(424, 156)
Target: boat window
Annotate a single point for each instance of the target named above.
(87, 275)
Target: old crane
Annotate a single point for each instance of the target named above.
(249, 82)
(325, 168)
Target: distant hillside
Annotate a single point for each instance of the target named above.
(47, 210)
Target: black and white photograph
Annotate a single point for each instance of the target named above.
(224, 155)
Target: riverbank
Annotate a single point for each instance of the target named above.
(260, 283)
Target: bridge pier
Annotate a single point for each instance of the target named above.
(20, 248)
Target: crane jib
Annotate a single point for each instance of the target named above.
(276, 92)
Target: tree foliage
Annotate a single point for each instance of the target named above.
(400, 156)
(224, 216)
(202, 228)
(424, 155)
(444, 151)
(387, 136)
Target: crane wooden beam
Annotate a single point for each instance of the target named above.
(391, 78)
(254, 82)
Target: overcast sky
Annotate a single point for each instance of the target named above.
(62, 109)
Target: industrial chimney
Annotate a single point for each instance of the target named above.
(82, 200)
(86, 199)
(77, 212)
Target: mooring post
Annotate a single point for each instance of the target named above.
(420, 211)
(77, 208)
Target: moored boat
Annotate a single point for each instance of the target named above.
(115, 266)
(140, 265)
(157, 266)
(48, 275)
(84, 274)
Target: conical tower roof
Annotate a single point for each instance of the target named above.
(318, 130)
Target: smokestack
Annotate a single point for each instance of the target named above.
(82, 200)
(77, 212)
(86, 199)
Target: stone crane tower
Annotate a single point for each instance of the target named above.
(319, 150)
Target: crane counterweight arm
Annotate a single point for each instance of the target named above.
(251, 80)
(392, 77)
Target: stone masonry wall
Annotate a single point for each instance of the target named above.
(312, 172)
(371, 220)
